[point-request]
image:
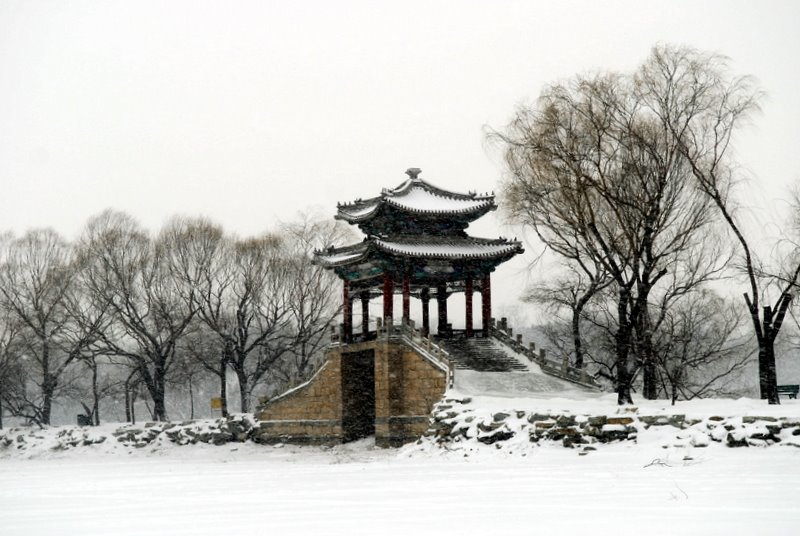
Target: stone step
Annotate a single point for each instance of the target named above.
(480, 355)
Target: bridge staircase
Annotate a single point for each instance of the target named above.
(504, 352)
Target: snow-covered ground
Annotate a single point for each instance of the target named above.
(242, 488)
(356, 489)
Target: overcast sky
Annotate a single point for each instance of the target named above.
(248, 112)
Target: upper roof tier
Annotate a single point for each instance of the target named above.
(415, 206)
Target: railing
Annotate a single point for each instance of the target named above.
(407, 333)
(505, 334)
(423, 344)
(439, 357)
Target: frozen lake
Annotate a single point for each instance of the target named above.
(204, 490)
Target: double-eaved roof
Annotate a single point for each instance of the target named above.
(418, 229)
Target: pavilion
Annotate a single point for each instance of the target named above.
(416, 242)
(385, 383)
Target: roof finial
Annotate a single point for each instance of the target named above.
(413, 172)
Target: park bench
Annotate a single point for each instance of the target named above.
(790, 390)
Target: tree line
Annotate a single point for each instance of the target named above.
(121, 311)
(630, 180)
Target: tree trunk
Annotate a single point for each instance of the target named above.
(623, 346)
(48, 387)
(131, 406)
(157, 389)
(576, 338)
(191, 399)
(95, 396)
(244, 389)
(644, 347)
(223, 386)
(47, 384)
(766, 370)
(159, 408)
(129, 398)
(128, 404)
(767, 376)
(649, 379)
(623, 374)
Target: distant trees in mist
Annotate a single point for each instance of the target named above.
(122, 314)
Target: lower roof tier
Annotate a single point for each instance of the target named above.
(427, 259)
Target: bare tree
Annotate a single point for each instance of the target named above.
(151, 308)
(12, 378)
(573, 292)
(700, 347)
(36, 284)
(243, 301)
(596, 176)
(204, 264)
(702, 105)
(314, 299)
(265, 337)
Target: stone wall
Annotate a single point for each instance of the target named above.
(406, 388)
(308, 414)
(459, 423)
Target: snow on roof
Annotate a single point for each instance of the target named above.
(418, 196)
(359, 212)
(432, 247)
(467, 248)
(338, 256)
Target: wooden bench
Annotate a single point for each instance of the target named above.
(790, 390)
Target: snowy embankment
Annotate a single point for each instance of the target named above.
(126, 438)
(463, 423)
(468, 423)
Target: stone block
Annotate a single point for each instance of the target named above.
(752, 419)
(565, 420)
(499, 435)
(736, 440)
(619, 420)
(597, 421)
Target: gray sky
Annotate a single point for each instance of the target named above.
(248, 112)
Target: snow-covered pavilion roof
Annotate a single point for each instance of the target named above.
(449, 247)
(418, 197)
(421, 247)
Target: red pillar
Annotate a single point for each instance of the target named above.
(468, 303)
(441, 302)
(425, 296)
(347, 312)
(486, 303)
(365, 313)
(406, 298)
(388, 296)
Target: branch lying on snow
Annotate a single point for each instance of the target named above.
(657, 461)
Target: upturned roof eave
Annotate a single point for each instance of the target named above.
(473, 213)
(358, 253)
(372, 206)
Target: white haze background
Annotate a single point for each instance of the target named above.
(248, 112)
